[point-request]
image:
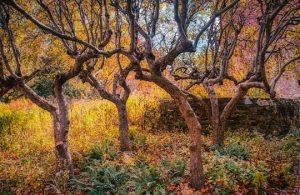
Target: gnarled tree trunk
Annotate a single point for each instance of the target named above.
(194, 128)
(61, 130)
(219, 120)
(120, 103)
(125, 144)
(218, 132)
(60, 123)
(229, 109)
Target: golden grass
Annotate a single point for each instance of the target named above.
(27, 143)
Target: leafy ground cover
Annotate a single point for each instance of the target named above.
(250, 163)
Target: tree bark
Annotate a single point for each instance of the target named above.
(218, 133)
(59, 150)
(60, 124)
(194, 127)
(61, 129)
(125, 144)
(229, 109)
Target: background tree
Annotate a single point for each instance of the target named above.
(273, 25)
(119, 80)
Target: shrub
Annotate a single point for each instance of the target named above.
(259, 180)
(236, 151)
(295, 134)
(72, 91)
(259, 175)
(175, 169)
(147, 179)
(104, 151)
(139, 140)
(225, 174)
(103, 179)
(286, 171)
(44, 88)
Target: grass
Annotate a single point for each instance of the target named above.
(159, 164)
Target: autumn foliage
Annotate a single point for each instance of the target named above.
(85, 72)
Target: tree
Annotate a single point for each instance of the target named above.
(96, 29)
(62, 150)
(63, 27)
(156, 64)
(274, 45)
(119, 80)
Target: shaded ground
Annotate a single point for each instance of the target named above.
(294, 188)
(249, 164)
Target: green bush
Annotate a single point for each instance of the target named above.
(225, 174)
(104, 151)
(288, 148)
(286, 170)
(44, 88)
(110, 175)
(295, 134)
(235, 150)
(259, 180)
(72, 91)
(175, 169)
(260, 175)
(147, 179)
(103, 179)
(119, 179)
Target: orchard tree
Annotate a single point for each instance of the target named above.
(93, 69)
(142, 52)
(262, 31)
(63, 26)
(89, 38)
(19, 81)
(220, 40)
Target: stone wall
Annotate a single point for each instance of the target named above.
(261, 114)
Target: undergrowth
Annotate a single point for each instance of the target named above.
(159, 164)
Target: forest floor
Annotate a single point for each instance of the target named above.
(251, 162)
